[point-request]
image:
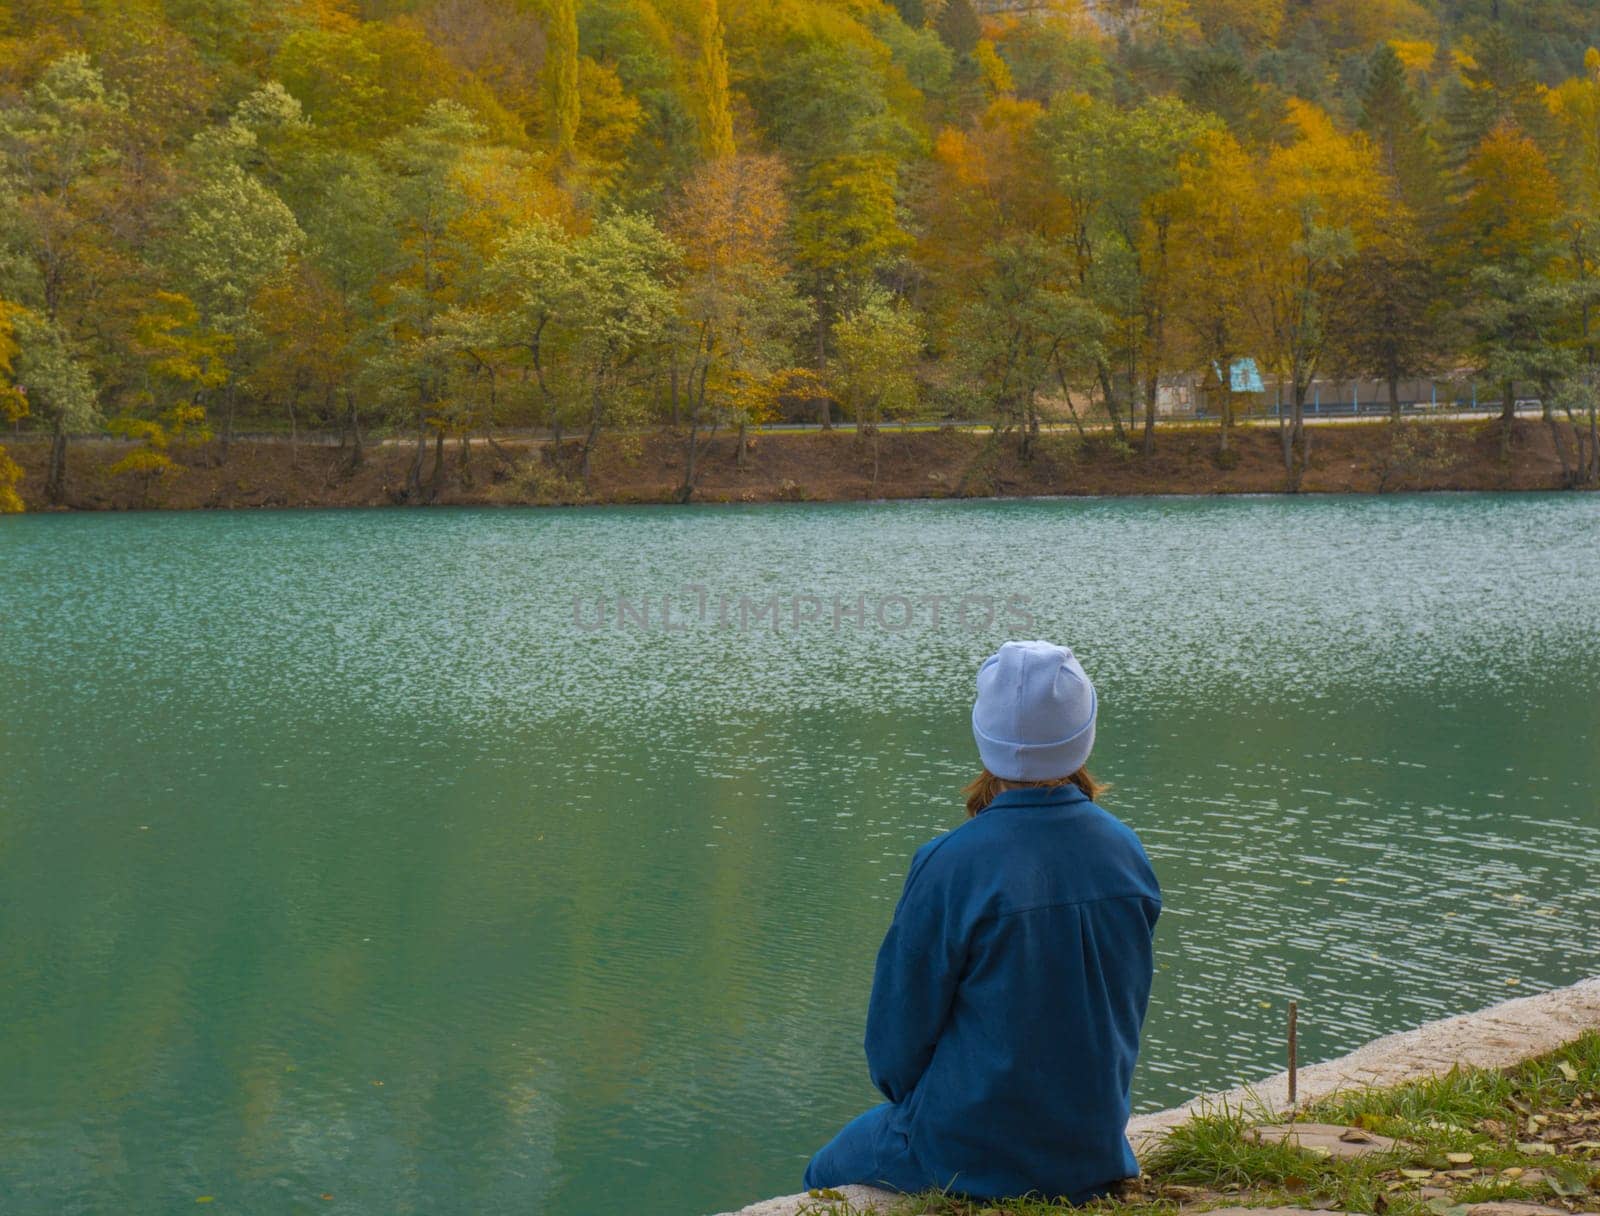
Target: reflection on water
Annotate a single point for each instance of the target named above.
(335, 860)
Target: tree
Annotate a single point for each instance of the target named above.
(1576, 109)
(1256, 22)
(1384, 312)
(1211, 259)
(1161, 134)
(739, 310)
(561, 77)
(879, 344)
(229, 234)
(1503, 238)
(433, 264)
(847, 227)
(1114, 171)
(13, 407)
(353, 243)
(716, 123)
(1494, 86)
(1317, 198)
(64, 207)
(1026, 327)
(1392, 119)
(588, 313)
(60, 390)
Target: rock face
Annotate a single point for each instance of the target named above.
(1497, 1037)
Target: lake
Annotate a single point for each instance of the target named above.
(361, 862)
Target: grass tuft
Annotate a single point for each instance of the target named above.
(1530, 1120)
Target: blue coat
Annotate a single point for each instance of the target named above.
(1006, 1008)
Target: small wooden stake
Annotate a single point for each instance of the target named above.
(1294, 1018)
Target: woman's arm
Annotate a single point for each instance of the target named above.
(919, 968)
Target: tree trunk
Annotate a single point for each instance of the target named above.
(674, 394)
(1394, 398)
(294, 437)
(55, 482)
(589, 442)
(1508, 414)
(414, 472)
(227, 426)
(464, 462)
(436, 482)
(686, 490)
(1112, 411)
(1226, 414)
(1151, 387)
(1594, 442)
(1569, 469)
(739, 460)
(1296, 439)
(876, 427)
(352, 433)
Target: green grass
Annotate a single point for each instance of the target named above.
(1212, 1160)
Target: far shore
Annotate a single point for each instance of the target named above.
(1347, 457)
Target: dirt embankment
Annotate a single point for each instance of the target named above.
(811, 466)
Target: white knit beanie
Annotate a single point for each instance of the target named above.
(1034, 717)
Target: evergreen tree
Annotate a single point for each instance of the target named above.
(1386, 309)
(1392, 118)
(1496, 84)
(561, 67)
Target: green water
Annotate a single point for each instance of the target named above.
(337, 859)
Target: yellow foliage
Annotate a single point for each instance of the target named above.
(10, 474)
(13, 401)
(182, 423)
(1416, 55)
(146, 461)
(178, 347)
(610, 117)
(1512, 198)
(996, 75)
(733, 214)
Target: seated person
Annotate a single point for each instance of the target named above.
(1011, 987)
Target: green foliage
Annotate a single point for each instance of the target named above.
(445, 216)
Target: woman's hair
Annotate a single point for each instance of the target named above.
(982, 789)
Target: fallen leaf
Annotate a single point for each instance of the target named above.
(1511, 1171)
(1512, 983)
(1567, 1070)
(1416, 1175)
(1536, 1148)
(1354, 1135)
(1566, 1181)
(1458, 1158)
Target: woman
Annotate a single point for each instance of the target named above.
(1011, 987)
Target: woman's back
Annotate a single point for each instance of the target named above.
(1012, 985)
(1029, 929)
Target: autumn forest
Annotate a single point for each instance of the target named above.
(436, 221)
